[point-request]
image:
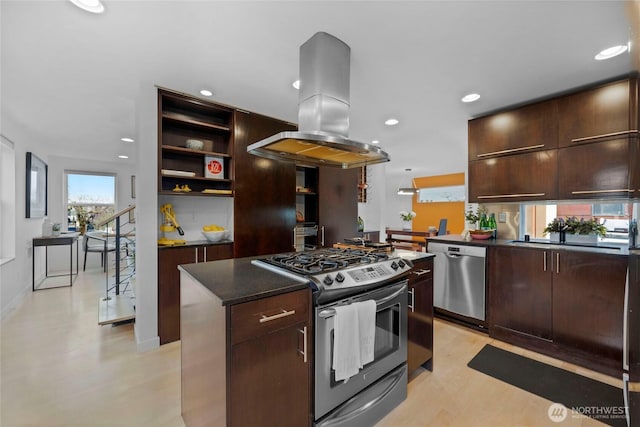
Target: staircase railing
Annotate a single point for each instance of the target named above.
(119, 236)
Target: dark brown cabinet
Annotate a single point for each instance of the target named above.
(270, 362)
(520, 291)
(567, 304)
(529, 128)
(521, 177)
(594, 113)
(587, 137)
(594, 170)
(588, 302)
(338, 204)
(181, 120)
(264, 202)
(169, 258)
(246, 364)
(420, 319)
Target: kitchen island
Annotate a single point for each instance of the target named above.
(238, 320)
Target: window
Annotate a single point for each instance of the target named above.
(7, 200)
(614, 216)
(90, 198)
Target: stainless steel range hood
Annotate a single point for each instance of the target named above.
(323, 113)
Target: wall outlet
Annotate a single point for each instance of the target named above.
(502, 217)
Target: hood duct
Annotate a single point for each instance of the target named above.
(323, 113)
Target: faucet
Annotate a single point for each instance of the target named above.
(563, 231)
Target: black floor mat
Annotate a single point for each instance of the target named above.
(581, 395)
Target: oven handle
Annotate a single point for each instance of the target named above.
(329, 312)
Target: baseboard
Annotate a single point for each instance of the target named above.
(146, 345)
(15, 302)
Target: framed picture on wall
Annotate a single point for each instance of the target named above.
(36, 187)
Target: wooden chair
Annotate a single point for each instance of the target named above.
(94, 242)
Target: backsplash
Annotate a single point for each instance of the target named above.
(508, 230)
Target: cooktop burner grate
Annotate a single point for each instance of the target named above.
(324, 260)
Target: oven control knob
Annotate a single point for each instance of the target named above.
(401, 263)
(328, 280)
(394, 265)
(339, 278)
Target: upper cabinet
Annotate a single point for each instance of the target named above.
(195, 140)
(577, 146)
(530, 128)
(595, 114)
(510, 178)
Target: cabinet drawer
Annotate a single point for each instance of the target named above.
(255, 318)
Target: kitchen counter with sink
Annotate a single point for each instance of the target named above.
(602, 248)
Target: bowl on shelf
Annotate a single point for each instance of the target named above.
(215, 236)
(194, 144)
(481, 234)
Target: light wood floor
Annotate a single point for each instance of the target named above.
(59, 368)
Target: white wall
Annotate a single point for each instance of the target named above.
(146, 327)
(372, 212)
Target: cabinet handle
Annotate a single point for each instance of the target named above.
(196, 252)
(421, 272)
(412, 304)
(284, 313)
(557, 262)
(544, 263)
(619, 190)
(625, 326)
(205, 255)
(303, 331)
(511, 150)
(322, 236)
(605, 135)
(497, 196)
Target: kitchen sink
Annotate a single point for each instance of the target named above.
(579, 245)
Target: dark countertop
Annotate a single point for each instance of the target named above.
(604, 248)
(236, 280)
(196, 243)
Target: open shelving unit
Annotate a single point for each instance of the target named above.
(180, 168)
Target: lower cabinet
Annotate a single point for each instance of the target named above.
(567, 304)
(270, 364)
(588, 303)
(520, 297)
(420, 319)
(169, 258)
(246, 364)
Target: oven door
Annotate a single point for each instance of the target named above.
(390, 346)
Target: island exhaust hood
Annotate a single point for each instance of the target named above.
(323, 113)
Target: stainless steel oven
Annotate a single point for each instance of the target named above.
(361, 400)
(340, 277)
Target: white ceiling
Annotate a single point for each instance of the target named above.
(69, 78)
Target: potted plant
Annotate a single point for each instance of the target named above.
(81, 217)
(407, 217)
(578, 230)
(471, 218)
(55, 229)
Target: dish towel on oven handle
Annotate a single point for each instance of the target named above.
(367, 326)
(353, 338)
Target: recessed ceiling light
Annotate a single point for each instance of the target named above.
(391, 122)
(127, 139)
(375, 141)
(93, 6)
(206, 92)
(296, 84)
(470, 97)
(123, 156)
(611, 52)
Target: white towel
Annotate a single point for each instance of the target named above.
(346, 342)
(367, 326)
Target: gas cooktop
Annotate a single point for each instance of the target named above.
(338, 272)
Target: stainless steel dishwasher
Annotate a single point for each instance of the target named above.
(459, 279)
